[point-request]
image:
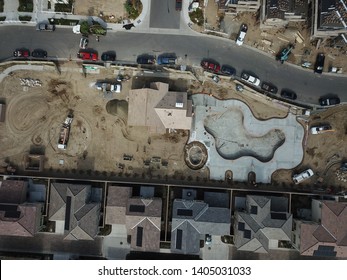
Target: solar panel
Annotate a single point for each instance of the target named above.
(139, 236)
(67, 213)
(12, 214)
(184, 212)
(241, 226)
(137, 208)
(318, 253)
(247, 234)
(279, 216)
(254, 210)
(179, 239)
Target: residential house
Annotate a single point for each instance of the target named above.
(281, 12)
(159, 109)
(143, 223)
(262, 223)
(329, 19)
(75, 213)
(326, 234)
(116, 204)
(18, 217)
(192, 220)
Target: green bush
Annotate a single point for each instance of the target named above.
(24, 18)
(197, 17)
(2, 18)
(25, 6)
(133, 8)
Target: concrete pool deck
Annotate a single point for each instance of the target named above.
(286, 156)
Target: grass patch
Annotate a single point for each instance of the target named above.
(1, 6)
(24, 18)
(133, 8)
(2, 18)
(63, 21)
(25, 6)
(197, 17)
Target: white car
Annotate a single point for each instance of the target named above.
(84, 43)
(320, 129)
(298, 178)
(250, 79)
(242, 35)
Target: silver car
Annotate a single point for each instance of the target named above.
(84, 43)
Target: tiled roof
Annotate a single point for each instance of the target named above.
(13, 191)
(81, 216)
(332, 230)
(261, 224)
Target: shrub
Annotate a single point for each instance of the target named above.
(25, 6)
(133, 8)
(24, 18)
(197, 17)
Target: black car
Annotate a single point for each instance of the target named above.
(288, 94)
(269, 88)
(39, 53)
(319, 65)
(145, 59)
(328, 101)
(227, 70)
(108, 57)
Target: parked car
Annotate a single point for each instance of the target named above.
(108, 56)
(84, 42)
(39, 53)
(269, 87)
(319, 65)
(250, 79)
(328, 101)
(166, 60)
(320, 129)
(178, 5)
(210, 66)
(88, 55)
(288, 94)
(227, 70)
(242, 35)
(21, 53)
(298, 178)
(45, 27)
(145, 59)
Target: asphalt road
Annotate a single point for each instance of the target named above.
(164, 14)
(128, 45)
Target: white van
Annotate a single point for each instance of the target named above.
(298, 178)
(242, 34)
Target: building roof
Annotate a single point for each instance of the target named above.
(20, 220)
(191, 219)
(331, 231)
(143, 222)
(71, 203)
(259, 226)
(279, 8)
(117, 199)
(13, 191)
(158, 108)
(332, 14)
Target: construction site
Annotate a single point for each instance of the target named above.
(59, 124)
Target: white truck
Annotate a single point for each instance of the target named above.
(298, 178)
(108, 87)
(65, 132)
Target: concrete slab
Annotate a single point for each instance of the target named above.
(239, 142)
(217, 250)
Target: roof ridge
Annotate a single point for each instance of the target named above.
(201, 212)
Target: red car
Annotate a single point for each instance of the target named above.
(21, 53)
(88, 55)
(210, 66)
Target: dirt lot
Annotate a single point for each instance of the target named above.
(111, 10)
(99, 135)
(324, 153)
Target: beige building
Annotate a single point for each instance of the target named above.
(159, 109)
